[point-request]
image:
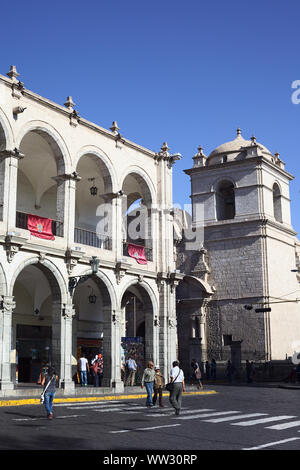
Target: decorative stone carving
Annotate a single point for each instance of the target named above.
(8, 304)
(71, 258)
(74, 118)
(17, 86)
(114, 128)
(116, 318)
(172, 322)
(160, 280)
(120, 270)
(12, 245)
(200, 268)
(166, 156)
(174, 278)
(68, 311)
(42, 257)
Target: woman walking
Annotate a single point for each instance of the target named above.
(49, 383)
(148, 381)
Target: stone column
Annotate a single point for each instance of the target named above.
(7, 307)
(62, 344)
(9, 174)
(65, 204)
(112, 327)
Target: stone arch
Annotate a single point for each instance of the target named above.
(220, 179)
(36, 299)
(105, 166)
(192, 297)
(140, 316)
(106, 288)
(144, 181)
(46, 162)
(138, 221)
(51, 272)
(53, 138)
(147, 288)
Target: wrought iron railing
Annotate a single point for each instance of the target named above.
(87, 237)
(22, 222)
(148, 250)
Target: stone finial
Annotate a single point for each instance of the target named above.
(253, 139)
(238, 132)
(114, 128)
(277, 155)
(199, 158)
(13, 74)
(69, 103)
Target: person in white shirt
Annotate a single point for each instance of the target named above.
(83, 369)
(132, 368)
(177, 378)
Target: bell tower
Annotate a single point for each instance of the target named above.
(243, 190)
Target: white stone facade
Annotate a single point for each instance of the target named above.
(49, 159)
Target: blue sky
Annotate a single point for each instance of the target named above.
(188, 72)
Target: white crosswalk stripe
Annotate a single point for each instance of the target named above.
(89, 403)
(206, 415)
(262, 421)
(281, 426)
(232, 418)
(169, 413)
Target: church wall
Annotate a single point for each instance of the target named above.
(283, 284)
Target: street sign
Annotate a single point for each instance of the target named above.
(262, 310)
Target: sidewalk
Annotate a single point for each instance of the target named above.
(32, 396)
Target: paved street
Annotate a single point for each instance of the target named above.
(235, 418)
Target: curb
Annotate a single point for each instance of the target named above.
(36, 401)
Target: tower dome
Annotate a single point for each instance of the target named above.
(238, 149)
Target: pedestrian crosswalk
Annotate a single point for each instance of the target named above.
(209, 416)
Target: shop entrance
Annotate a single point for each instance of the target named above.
(33, 350)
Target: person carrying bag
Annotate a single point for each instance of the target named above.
(177, 386)
(49, 383)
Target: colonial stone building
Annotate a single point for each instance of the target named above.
(69, 280)
(249, 257)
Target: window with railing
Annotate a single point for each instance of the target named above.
(87, 237)
(22, 222)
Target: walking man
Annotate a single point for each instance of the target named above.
(177, 378)
(132, 368)
(148, 381)
(83, 368)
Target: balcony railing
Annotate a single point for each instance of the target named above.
(87, 237)
(22, 222)
(148, 251)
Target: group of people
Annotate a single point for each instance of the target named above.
(154, 382)
(95, 368)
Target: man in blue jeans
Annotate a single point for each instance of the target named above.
(83, 368)
(148, 381)
(49, 383)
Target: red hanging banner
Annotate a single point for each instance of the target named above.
(137, 252)
(40, 227)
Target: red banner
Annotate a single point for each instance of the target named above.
(40, 227)
(137, 252)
